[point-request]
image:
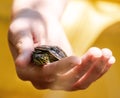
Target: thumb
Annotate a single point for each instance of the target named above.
(25, 47)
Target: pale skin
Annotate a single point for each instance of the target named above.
(37, 22)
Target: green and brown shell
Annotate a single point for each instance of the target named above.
(46, 54)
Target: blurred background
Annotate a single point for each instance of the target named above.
(87, 23)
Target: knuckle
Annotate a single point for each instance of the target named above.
(18, 25)
(98, 68)
(13, 26)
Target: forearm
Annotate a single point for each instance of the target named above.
(46, 7)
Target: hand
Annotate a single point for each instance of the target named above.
(72, 73)
(30, 29)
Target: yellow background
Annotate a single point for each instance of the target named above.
(87, 23)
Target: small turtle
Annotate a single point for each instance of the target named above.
(46, 54)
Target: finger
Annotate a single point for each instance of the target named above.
(107, 54)
(89, 77)
(78, 71)
(98, 69)
(22, 46)
(110, 62)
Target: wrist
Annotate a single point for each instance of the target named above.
(45, 7)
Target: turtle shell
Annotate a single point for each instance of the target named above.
(45, 54)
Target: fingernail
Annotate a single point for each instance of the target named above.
(112, 60)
